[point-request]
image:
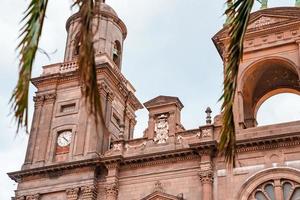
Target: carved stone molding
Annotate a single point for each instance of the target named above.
(20, 198)
(88, 192)
(33, 197)
(44, 98)
(72, 193)
(206, 177)
(138, 146)
(114, 165)
(206, 173)
(111, 191)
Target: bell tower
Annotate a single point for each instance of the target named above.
(110, 33)
(271, 61)
(65, 143)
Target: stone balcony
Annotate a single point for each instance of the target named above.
(71, 66)
(205, 137)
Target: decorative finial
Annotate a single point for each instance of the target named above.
(158, 187)
(297, 3)
(208, 115)
(264, 4)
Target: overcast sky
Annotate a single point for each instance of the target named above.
(168, 52)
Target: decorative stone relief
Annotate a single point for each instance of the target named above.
(88, 192)
(206, 173)
(33, 197)
(158, 187)
(72, 193)
(112, 191)
(141, 146)
(20, 198)
(161, 130)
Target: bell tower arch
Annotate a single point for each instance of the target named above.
(263, 79)
(271, 60)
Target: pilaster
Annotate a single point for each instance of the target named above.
(206, 175)
(112, 181)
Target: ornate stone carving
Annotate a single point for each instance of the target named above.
(72, 193)
(20, 198)
(206, 173)
(111, 191)
(158, 187)
(206, 132)
(89, 192)
(161, 129)
(33, 197)
(141, 146)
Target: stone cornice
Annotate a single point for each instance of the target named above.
(16, 176)
(114, 18)
(192, 150)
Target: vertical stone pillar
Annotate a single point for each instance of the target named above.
(38, 104)
(89, 192)
(45, 126)
(206, 175)
(72, 193)
(112, 181)
(278, 190)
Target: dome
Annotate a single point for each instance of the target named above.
(106, 8)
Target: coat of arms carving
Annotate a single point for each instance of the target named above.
(161, 129)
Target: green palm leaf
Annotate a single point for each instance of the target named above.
(30, 35)
(86, 58)
(239, 14)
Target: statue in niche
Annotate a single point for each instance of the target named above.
(161, 129)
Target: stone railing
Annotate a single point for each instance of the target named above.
(68, 67)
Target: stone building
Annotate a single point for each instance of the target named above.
(68, 158)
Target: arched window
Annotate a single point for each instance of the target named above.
(262, 80)
(277, 190)
(278, 109)
(77, 48)
(77, 45)
(117, 53)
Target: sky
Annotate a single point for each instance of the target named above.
(168, 51)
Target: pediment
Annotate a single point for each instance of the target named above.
(161, 196)
(268, 20)
(161, 100)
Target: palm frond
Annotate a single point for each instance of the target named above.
(30, 36)
(86, 59)
(239, 14)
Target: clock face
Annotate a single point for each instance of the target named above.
(64, 138)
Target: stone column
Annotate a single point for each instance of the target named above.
(206, 175)
(89, 192)
(72, 193)
(278, 190)
(112, 181)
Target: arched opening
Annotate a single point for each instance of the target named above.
(77, 45)
(117, 53)
(280, 108)
(269, 183)
(264, 79)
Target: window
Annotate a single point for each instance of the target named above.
(117, 53)
(68, 108)
(276, 189)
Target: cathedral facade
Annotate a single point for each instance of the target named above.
(70, 158)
